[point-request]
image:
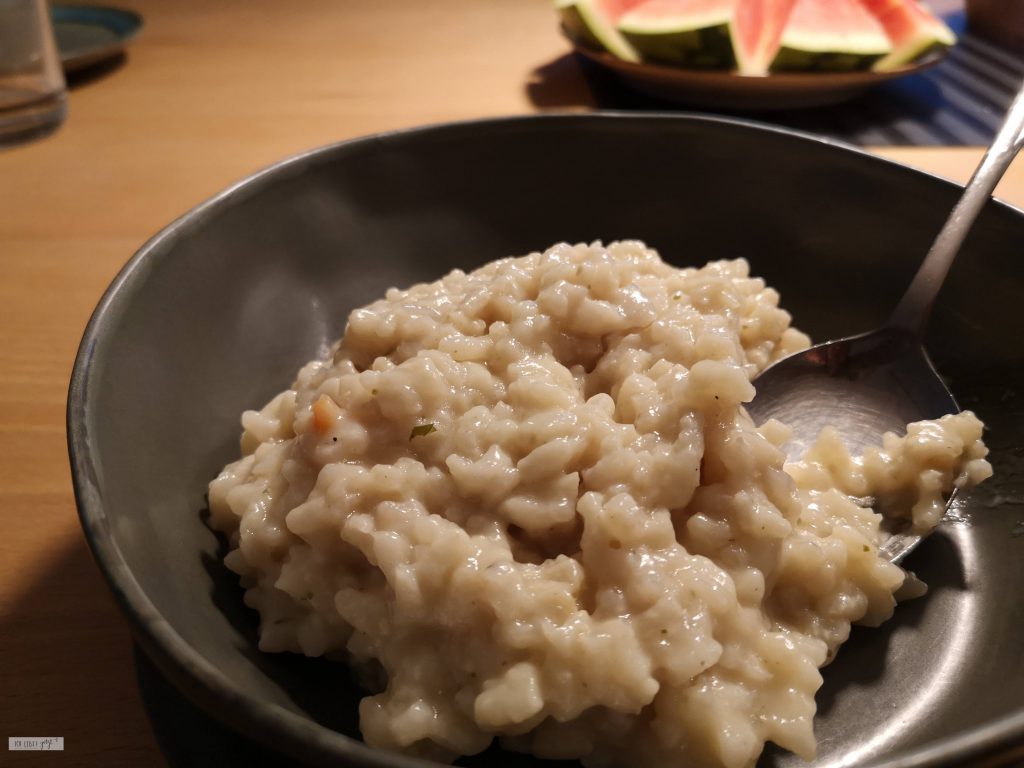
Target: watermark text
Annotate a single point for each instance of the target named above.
(35, 744)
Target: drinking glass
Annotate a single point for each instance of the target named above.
(33, 97)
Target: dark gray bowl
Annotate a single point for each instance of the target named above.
(216, 313)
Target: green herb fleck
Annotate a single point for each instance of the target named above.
(373, 391)
(867, 548)
(420, 430)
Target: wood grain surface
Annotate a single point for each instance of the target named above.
(210, 91)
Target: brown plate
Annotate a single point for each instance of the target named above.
(715, 88)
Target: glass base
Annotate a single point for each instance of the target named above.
(33, 118)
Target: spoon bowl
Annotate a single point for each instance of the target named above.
(880, 381)
(864, 386)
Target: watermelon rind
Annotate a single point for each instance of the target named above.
(585, 23)
(701, 41)
(932, 37)
(921, 47)
(832, 52)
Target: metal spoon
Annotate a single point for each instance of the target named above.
(880, 381)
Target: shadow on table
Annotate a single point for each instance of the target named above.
(188, 737)
(97, 72)
(65, 662)
(562, 83)
(572, 81)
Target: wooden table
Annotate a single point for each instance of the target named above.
(209, 92)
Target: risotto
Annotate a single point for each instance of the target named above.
(527, 503)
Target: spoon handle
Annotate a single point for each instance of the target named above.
(915, 307)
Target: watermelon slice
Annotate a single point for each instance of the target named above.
(758, 36)
(592, 22)
(708, 33)
(690, 33)
(913, 31)
(833, 35)
(757, 32)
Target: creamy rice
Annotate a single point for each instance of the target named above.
(527, 502)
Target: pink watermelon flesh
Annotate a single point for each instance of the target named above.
(757, 29)
(831, 35)
(613, 10)
(912, 29)
(673, 9)
(829, 16)
(754, 28)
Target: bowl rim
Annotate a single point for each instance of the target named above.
(185, 666)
